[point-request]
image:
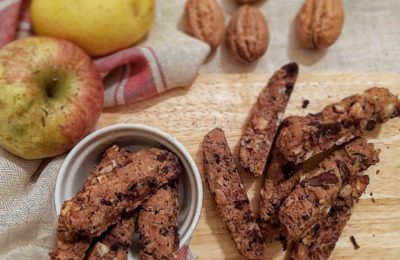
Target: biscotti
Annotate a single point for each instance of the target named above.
(74, 248)
(114, 243)
(302, 137)
(113, 158)
(279, 169)
(70, 245)
(265, 118)
(281, 178)
(271, 198)
(320, 241)
(315, 194)
(99, 205)
(158, 225)
(229, 193)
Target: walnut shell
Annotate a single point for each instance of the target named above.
(319, 23)
(247, 35)
(205, 21)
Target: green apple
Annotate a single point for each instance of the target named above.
(51, 96)
(98, 26)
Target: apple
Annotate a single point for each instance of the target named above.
(51, 96)
(98, 26)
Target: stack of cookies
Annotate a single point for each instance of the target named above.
(312, 165)
(123, 193)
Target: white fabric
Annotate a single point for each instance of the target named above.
(369, 41)
(27, 212)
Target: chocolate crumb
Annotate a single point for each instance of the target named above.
(373, 235)
(373, 200)
(354, 242)
(305, 104)
(378, 171)
(370, 194)
(387, 147)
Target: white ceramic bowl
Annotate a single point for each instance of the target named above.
(133, 137)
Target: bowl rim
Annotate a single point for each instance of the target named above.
(145, 128)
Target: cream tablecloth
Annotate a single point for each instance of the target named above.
(369, 42)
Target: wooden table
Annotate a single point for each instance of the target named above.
(224, 100)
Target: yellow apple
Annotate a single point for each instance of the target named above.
(98, 26)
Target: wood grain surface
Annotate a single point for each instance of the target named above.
(224, 100)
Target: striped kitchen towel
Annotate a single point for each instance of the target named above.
(27, 213)
(132, 74)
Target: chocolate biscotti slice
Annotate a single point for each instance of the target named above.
(320, 241)
(281, 178)
(229, 193)
(114, 157)
(73, 248)
(70, 245)
(158, 225)
(279, 169)
(265, 118)
(114, 243)
(99, 205)
(302, 137)
(314, 195)
(271, 198)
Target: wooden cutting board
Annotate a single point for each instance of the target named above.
(224, 101)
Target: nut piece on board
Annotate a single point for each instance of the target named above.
(319, 23)
(247, 36)
(205, 21)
